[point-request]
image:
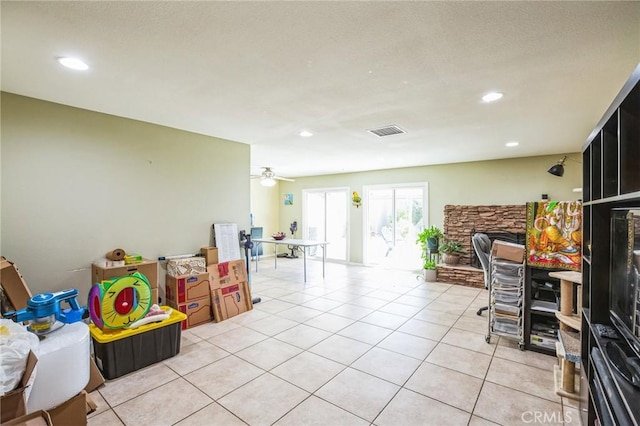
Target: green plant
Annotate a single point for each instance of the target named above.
(432, 232)
(451, 247)
(429, 264)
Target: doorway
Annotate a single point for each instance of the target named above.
(395, 214)
(325, 218)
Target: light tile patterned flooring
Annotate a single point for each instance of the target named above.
(365, 346)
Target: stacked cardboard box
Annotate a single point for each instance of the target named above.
(13, 405)
(71, 412)
(13, 284)
(189, 293)
(508, 251)
(210, 255)
(148, 268)
(230, 294)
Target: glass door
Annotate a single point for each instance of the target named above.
(395, 215)
(325, 217)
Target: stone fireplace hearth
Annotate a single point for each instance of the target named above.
(461, 222)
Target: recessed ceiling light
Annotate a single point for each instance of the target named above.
(512, 144)
(305, 134)
(491, 96)
(73, 63)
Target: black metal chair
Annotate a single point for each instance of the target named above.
(482, 246)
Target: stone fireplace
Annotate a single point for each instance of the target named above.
(506, 222)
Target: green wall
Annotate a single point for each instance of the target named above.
(511, 181)
(76, 184)
(266, 210)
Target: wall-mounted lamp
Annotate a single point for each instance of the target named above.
(558, 168)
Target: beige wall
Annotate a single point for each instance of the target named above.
(512, 181)
(76, 184)
(265, 207)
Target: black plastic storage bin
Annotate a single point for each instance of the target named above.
(119, 352)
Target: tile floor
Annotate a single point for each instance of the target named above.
(365, 346)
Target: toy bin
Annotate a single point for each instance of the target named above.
(119, 352)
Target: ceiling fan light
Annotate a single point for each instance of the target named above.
(267, 181)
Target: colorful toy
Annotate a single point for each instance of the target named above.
(95, 299)
(119, 302)
(155, 314)
(43, 310)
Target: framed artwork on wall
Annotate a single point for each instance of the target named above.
(288, 199)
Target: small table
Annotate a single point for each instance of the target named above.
(304, 244)
(433, 255)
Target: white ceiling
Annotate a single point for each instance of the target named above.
(259, 72)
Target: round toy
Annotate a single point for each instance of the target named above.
(125, 300)
(95, 300)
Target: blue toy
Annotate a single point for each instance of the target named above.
(43, 310)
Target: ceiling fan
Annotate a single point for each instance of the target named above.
(268, 177)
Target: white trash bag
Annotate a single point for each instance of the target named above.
(15, 344)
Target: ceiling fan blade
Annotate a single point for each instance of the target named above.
(283, 178)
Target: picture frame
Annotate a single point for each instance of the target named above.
(288, 199)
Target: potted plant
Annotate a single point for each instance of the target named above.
(430, 271)
(429, 238)
(451, 251)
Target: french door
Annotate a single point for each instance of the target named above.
(395, 214)
(325, 217)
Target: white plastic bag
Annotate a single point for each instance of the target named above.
(15, 344)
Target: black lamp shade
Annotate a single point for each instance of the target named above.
(556, 170)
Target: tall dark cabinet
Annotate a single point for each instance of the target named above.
(611, 179)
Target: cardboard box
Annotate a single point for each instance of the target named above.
(187, 288)
(231, 300)
(197, 311)
(227, 273)
(148, 268)
(508, 251)
(210, 255)
(238, 271)
(13, 403)
(154, 296)
(72, 412)
(187, 266)
(95, 377)
(91, 405)
(13, 284)
(215, 279)
(38, 418)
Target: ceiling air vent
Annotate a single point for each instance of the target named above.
(387, 131)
